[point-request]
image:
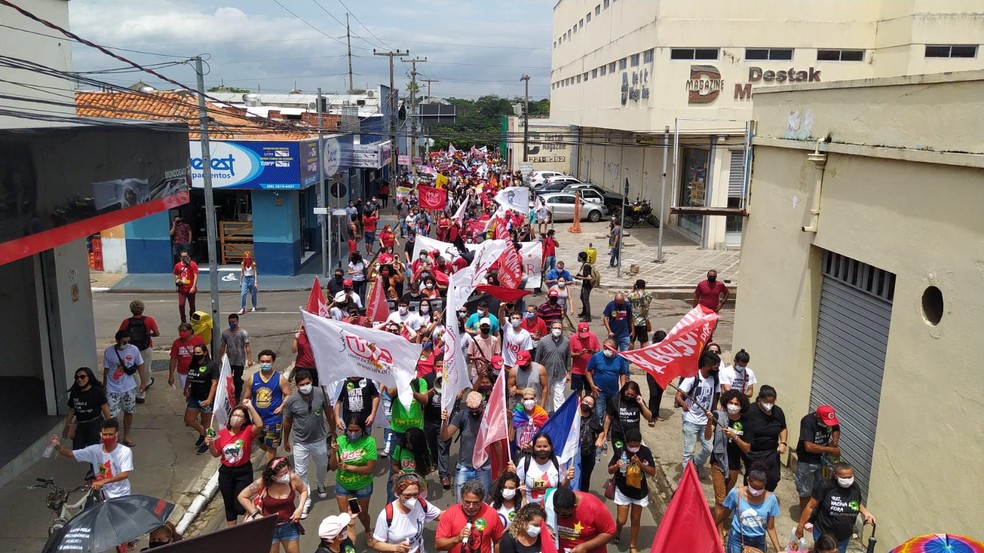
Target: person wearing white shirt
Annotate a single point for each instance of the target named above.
(405, 317)
(112, 462)
(121, 362)
(739, 376)
(401, 523)
(698, 395)
(515, 339)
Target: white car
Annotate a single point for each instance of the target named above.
(539, 177)
(561, 207)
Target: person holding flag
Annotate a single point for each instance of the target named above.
(233, 447)
(539, 469)
(468, 421)
(630, 465)
(528, 418)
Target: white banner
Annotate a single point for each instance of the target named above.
(342, 350)
(532, 254)
(225, 396)
(516, 198)
(447, 249)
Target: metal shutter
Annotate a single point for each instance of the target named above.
(849, 361)
(736, 176)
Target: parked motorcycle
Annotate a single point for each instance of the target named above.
(638, 212)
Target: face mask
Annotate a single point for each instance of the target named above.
(410, 503)
(462, 315)
(739, 368)
(530, 315)
(485, 390)
(632, 449)
(734, 409)
(233, 325)
(515, 324)
(110, 442)
(755, 493)
(711, 279)
(430, 285)
(338, 278)
(184, 334)
(767, 406)
(609, 353)
(533, 531)
(845, 482)
(474, 413)
(483, 312)
(541, 454)
(561, 284)
(424, 308)
(282, 479)
(354, 436)
(508, 493)
(485, 329)
(427, 345)
(529, 404)
(266, 367)
(556, 332)
(403, 310)
(553, 301)
(197, 359)
(586, 409)
(305, 388)
(236, 421)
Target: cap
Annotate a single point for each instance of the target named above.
(347, 282)
(485, 321)
(553, 294)
(827, 414)
(333, 525)
(497, 362)
(523, 357)
(583, 327)
(340, 297)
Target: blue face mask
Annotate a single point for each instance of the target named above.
(233, 324)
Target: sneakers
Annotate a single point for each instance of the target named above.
(385, 452)
(202, 448)
(307, 508)
(242, 311)
(446, 482)
(142, 396)
(200, 441)
(322, 491)
(253, 310)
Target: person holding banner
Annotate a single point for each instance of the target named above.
(468, 421)
(697, 396)
(233, 447)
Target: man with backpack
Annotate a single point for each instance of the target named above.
(121, 361)
(143, 329)
(697, 396)
(590, 279)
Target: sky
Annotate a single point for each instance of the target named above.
(473, 47)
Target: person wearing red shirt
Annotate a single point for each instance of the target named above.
(471, 525)
(305, 356)
(443, 227)
(549, 251)
(584, 344)
(369, 230)
(146, 342)
(186, 280)
(387, 238)
(583, 522)
(181, 351)
(710, 293)
(233, 447)
(533, 324)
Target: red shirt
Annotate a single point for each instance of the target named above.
(710, 294)
(182, 233)
(580, 362)
(186, 274)
(425, 364)
(549, 247)
(235, 449)
(149, 322)
(533, 326)
(387, 238)
(486, 527)
(590, 518)
(369, 222)
(182, 350)
(305, 357)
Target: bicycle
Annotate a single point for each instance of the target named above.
(58, 502)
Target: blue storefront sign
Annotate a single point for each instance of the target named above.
(246, 165)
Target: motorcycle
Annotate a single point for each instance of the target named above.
(638, 212)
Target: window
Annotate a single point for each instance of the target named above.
(585, 75)
(951, 51)
(578, 78)
(598, 9)
(555, 45)
(768, 53)
(647, 56)
(587, 17)
(621, 64)
(606, 4)
(840, 55)
(634, 60)
(594, 73)
(694, 54)
(580, 24)
(604, 70)
(611, 67)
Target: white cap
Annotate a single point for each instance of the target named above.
(333, 525)
(485, 321)
(340, 297)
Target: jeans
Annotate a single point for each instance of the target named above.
(623, 342)
(464, 474)
(308, 452)
(601, 402)
(440, 450)
(585, 302)
(248, 287)
(616, 253)
(735, 541)
(841, 545)
(691, 433)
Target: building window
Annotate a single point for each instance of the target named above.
(604, 70)
(768, 54)
(647, 56)
(580, 24)
(598, 9)
(574, 29)
(693, 53)
(611, 67)
(621, 64)
(594, 73)
(634, 60)
(606, 4)
(951, 51)
(587, 17)
(585, 75)
(579, 79)
(555, 45)
(840, 55)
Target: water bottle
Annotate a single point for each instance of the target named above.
(50, 448)
(625, 461)
(597, 455)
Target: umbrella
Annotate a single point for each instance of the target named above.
(110, 523)
(940, 543)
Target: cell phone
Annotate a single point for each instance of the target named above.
(354, 505)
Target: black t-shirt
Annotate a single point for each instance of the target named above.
(87, 404)
(334, 287)
(765, 428)
(624, 414)
(346, 546)
(734, 452)
(432, 409)
(837, 509)
(509, 544)
(812, 431)
(357, 397)
(200, 380)
(646, 456)
(586, 273)
(590, 429)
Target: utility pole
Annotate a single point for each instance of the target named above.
(526, 117)
(413, 111)
(210, 231)
(322, 190)
(429, 81)
(392, 123)
(348, 37)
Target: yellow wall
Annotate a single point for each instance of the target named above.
(903, 209)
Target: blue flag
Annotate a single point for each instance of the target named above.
(564, 429)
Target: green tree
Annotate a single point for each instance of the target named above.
(229, 89)
(479, 122)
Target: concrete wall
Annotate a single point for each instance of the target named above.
(908, 208)
(148, 244)
(114, 249)
(276, 231)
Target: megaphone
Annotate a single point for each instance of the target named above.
(439, 384)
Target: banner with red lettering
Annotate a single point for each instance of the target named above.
(432, 198)
(510, 268)
(678, 353)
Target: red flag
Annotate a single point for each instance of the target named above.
(678, 353)
(377, 309)
(687, 524)
(500, 458)
(494, 425)
(501, 232)
(502, 293)
(510, 268)
(316, 300)
(432, 198)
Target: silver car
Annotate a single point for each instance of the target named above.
(561, 207)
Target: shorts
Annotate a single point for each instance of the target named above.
(287, 531)
(121, 401)
(272, 434)
(579, 383)
(807, 474)
(360, 494)
(197, 405)
(622, 499)
(181, 380)
(641, 334)
(722, 485)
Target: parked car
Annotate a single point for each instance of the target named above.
(540, 177)
(549, 188)
(561, 207)
(593, 192)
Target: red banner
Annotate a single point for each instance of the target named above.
(502, 293)
(432, 198)
(510, 268)
(688, 524)
(316, 300)
(678, 353)
(377, 309)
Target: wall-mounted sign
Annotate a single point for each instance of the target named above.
(249, 165)
(704, 85)
(372, 156)
(635, 85)
(743, 91)
(337, 154)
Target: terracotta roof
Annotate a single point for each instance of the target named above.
(226, 123)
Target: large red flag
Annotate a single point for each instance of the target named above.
(502, 293)
(678, 353)
(432, 198)
(688, 524)
(316, 300)
(494, 425)
(377, 309)
(510, 268)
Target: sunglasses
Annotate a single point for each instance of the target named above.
(81, 377)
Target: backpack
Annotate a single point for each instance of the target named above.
(389, 511)
(715, 385)
(139, 336)
(595, 278)
(526, 463)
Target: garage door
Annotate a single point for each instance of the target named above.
(849, 361)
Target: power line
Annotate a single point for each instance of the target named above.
(385, 45)
(306, 22)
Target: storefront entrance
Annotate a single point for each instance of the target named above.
(693, 188)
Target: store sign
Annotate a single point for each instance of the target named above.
(548, 146)
(704, 85)
(372, 156)
(635, 85)
(246, 165)
(756, 75)
(309, 163)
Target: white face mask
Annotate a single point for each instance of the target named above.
(236, 421)
(632, 449)
(305, 388)
(424, 308)
(609, 353)
(529, 404)
(508, 493)
(767, 406)
(516, 324)
(734, 409)
(410, 503)
(755, 493)
(845, 482)
(430, 285)
(533, 531)
(739, 368)
(283, 479)
(561, 283)
(556, 332)
(404, 310)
